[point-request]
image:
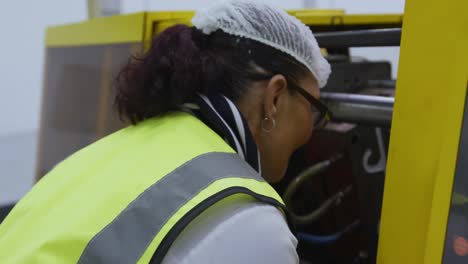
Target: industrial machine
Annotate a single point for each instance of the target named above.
(334, 185)
(401, 137)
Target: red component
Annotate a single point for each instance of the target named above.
(460, 245)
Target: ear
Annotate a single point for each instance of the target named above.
(277, 86)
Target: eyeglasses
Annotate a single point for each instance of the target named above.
(321, 114)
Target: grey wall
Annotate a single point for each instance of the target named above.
(17, 158)
(22, 27)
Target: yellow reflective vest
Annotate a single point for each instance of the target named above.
(126, 198)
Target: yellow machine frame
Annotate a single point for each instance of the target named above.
(427, 119)
(143, 26)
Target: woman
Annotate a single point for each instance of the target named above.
(217, 111)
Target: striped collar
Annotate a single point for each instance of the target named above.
(221, 114)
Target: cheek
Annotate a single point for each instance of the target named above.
(304, 126)
(295, 126)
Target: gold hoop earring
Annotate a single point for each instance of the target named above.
(265, 128)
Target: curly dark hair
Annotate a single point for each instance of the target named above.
(182, 61)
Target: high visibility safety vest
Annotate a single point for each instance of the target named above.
(126, 198)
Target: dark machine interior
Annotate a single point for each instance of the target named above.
(334, 184)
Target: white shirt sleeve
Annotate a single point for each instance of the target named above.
(236, 230)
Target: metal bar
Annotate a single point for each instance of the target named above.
(382, 83)
(358, 99)
(362, 114)
(359, 38)
(360, 109)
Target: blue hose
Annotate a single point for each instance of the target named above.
(325, 240)
(313, 239)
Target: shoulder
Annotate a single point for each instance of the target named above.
(236, 230)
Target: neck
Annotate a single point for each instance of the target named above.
(253, 120)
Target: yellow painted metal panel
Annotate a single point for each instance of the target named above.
(166, 15)
(308, 16)
(157, 22)
(304, 13)
(142, 26)
(186, 16)
(427, 119)
(342, 19)
(316, 11)
(456, 93)
(104, 30)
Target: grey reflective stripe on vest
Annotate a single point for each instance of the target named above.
(127, 237)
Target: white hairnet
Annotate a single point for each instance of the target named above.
(269, 25)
